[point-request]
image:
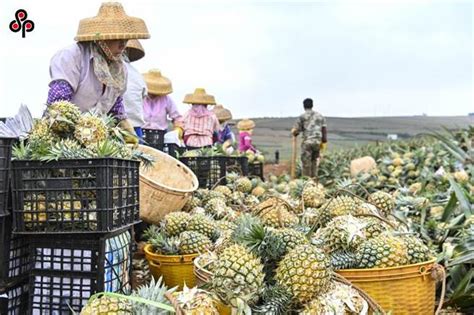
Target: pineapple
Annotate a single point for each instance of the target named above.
(192, 203)
(238, 277)
(342, 205)
(374, 227)
(90, 130)
(154, 291)
(202, 224)
(289, 239)
(176, 222)
(275, 300)
(417, 251)
(62, 117)
(304, 272)
(196, 302)
(191, 242)
(383, 201)
(382, 252)
(226, 226)
(243, 184)
(107, 305)
(343, 259)
(313, 195)
(216, 207)
(278, 217)
(342, 233)
(258, 191)
(224, 190)
(40, 132)
(251, 201)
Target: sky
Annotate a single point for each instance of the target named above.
(262, 58)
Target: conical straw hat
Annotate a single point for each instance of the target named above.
(223, 114)
(111, 23)
(156, 83)
(135, 50)
(245, 124)
(199, 97)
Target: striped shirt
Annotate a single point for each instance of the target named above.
(199, 126)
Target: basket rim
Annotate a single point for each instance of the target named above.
(148, 251)
(432, 261)
(195, 184)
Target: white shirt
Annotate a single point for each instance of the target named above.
(134, 95)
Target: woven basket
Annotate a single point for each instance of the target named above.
(402, 290)
(165, 187)
(176, 270)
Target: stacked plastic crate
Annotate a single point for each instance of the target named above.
(78, 217)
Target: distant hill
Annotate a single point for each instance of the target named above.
(273, 134)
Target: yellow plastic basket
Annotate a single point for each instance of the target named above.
(402, 290)
(176, 270)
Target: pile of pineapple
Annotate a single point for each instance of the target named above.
(65, 133)
(274, 249)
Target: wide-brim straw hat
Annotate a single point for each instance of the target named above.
(222, 113)
(111, 23)
(245, 124)
(199, 97)
(156, 83)
(135, 50)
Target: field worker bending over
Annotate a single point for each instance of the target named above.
(313, 126)
(200, 124)
(225, 136)
(91, 73)
(245, 127)
(136, 87)
(159, 105)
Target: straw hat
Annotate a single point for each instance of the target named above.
(135, 50)
(156, 83)
(111, 23)
(245, 124)
(199, 97)
(223, 114)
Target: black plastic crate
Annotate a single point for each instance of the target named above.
(174, 150)
(256, 169)
(154, 138)
(75, 196)
(15, 298)
(67, 271)
(212, 170)
(5, 162)
(14, 255)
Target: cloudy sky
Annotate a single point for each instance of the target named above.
(262, 58)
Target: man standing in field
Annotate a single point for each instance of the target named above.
(313, 126)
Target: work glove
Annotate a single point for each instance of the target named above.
(294, 132)
(227, 147)
(180, 132)
(323, 146)
(129, 135)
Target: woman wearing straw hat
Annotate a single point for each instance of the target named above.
(200, 123)
(225, 136)
(91, 73)
(158, 105)
(245, 127)
(136, 87)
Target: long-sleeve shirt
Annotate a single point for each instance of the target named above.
(134, 96)
(225, 134)
(73, 79)
(313, 126)
(245, 142)
(156, 111)
(199, 126)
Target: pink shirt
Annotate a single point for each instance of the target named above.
(156, 111)
(75, 65)
(245, 142)
(199, 126)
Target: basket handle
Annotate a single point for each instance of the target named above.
(439, 274)
(154, 264)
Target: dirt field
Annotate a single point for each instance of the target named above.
(272, 134)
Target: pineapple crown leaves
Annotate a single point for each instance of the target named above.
(155, 291)
(21, 151)
(134, 299)
(151, 232)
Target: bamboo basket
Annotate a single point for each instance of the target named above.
(165, 187)
(400, 290)
(176, 270)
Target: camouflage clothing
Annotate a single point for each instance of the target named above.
(312, 125)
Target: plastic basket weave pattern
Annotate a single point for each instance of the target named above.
(176, 270)
(16, 300)
(5, 162)
(154, 138)
(402, 290)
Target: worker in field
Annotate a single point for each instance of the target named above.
(91, 73)
(136, 87)
(159, 106)
(312, 125)
(246, 127)
(224, 136)
(200, 123)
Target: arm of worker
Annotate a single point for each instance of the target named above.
(248, 144)
(297, 128)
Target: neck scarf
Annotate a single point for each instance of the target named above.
(109, 71)
(198, 110)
